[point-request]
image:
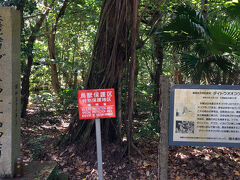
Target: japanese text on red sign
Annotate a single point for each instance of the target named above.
(98, 103)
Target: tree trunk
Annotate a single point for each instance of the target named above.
(132, 76)
(204, 8)
(20, 7)
(158, 69)
(178, 78)
(75, 71)
(109, 55)
(53, 66)
(51, 48)
(25, 82)
(119, 109)
(27, 70)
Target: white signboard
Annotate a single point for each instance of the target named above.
(205, 114)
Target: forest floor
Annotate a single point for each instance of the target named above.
(41, 130)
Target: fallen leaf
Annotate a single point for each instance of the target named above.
(73, 154)
(236, 172)
(178, 178)
(81, 169)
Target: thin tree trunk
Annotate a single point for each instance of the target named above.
(74, 84)
(158, 69)
(25, 82)
(204, 8)
(119, 108)
(27, 71)
(51, 48)
(131, 76)
(178, 78)
(20, 7)
(53, 66)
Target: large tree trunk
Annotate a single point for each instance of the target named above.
(111, 50)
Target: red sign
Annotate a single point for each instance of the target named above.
(96, 103)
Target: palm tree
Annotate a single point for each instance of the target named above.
(207, 48)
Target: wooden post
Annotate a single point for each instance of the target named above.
(164, 117)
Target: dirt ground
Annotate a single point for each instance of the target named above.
(40, 133)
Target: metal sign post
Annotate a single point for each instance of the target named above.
(99, 148)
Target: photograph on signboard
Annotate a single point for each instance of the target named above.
(184, 127)
(184, 111)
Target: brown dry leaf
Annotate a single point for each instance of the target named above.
(236, 172)
(73, 154)
(178, 178)
(81, 169)
(237, 159)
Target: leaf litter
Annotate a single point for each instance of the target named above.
(40, 133)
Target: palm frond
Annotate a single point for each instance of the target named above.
(186, 28)
(189, 66)
(194, 67)
(225, 37)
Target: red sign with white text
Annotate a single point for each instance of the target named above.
(96, 103)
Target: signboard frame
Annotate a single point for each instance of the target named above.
(171, 115)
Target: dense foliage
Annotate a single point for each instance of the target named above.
(189, 41)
